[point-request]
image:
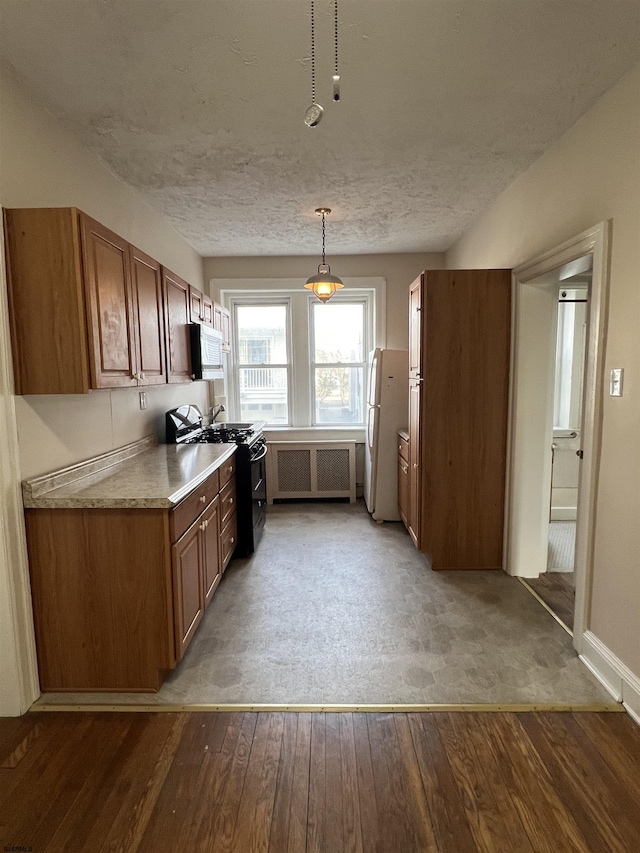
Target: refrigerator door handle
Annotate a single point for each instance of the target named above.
(371, 426)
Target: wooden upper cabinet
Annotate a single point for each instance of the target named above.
(415, 327)
(200, 307)
(177, 318)
(148, 299)
(88, 310)
(207, 310)
(46, 301)
(112, 326)
(222, 322)
(195, 304)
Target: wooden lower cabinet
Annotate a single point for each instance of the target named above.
(403, 479)
(188, 586)
(119, 593)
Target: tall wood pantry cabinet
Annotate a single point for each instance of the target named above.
(459, 345)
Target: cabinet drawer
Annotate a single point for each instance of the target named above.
(227, 470)
(403, 448)
(227, 501)
(186, 512)
(228, 541)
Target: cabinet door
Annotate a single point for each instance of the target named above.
(146, 279)
(415, 328)
(207, 310)
(188, 593)
(176, 295)
(195, 304)
(211, 569)
(226, 330)
(415, 502)
(217, 317)
(403, 490)
(107, 278)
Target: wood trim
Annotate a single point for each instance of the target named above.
(594, 707)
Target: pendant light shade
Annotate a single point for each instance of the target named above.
(324, 284)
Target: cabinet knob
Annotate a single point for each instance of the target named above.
(232, 540)
(230, 501)
(202, 526)
(142, 376)
(203, 499)
(415, 464)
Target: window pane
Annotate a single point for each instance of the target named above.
(338, 332)
(262, 334)
(339, 395)
(263, 394)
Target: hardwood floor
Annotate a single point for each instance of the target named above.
(288, 782)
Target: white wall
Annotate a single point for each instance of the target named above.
(399, 271)
(592, 174)
(43, 165)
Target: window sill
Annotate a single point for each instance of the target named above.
(317, 433)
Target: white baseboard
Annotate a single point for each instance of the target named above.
(615, 676)
(564, 513)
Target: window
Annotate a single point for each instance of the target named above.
(298, 362)
(263, 362)
(338, 362)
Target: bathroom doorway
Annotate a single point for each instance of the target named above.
(556, 586)
(538, 285)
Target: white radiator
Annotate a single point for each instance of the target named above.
(314, 469)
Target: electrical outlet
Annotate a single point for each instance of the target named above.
(143, 399)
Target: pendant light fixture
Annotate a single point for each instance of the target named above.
(324, 284)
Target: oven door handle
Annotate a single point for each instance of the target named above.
(260, 455)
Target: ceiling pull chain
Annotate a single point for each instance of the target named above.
(314, 113)
(336, 74)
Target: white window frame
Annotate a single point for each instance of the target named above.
(348, 299)
(233, 292)
(236, 365)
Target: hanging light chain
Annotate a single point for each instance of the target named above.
(335, 28)
(313, 53)
(323, 261)
(336, 73)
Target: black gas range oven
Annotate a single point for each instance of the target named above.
(184, 426)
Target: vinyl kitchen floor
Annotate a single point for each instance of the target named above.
(334, 608)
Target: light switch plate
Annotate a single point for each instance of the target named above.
(143, 399)
(615, 383)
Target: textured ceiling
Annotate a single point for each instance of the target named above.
(200, 105)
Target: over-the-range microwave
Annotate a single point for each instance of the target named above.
(207, 357)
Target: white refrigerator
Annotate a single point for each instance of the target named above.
(387, 412)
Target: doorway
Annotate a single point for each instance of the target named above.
(556, 585)
(531, 434)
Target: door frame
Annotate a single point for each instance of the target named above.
(527, 475)
(19, 686)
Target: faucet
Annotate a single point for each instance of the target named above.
(215, 411)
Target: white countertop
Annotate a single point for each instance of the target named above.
(141, 475)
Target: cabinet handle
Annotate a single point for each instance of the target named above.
(230, 468)
(202, 526)
(203, 499)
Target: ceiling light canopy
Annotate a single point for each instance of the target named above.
(324, 284)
